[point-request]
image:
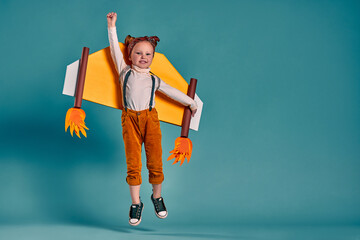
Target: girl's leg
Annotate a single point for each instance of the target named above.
(135, 193)
(156, 190)
(153, 150)
(132, 143)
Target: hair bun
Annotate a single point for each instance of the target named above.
(153, 40)
(128, 40)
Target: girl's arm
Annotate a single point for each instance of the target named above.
(178, 96)
(115, 51)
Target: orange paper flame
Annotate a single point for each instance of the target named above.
(182, 150)
(75, 119)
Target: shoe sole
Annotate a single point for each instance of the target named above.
(138, 222)
(162, 217)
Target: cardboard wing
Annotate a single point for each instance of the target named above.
(102, 85)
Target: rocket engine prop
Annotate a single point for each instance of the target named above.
(75, 117)
(183, 145)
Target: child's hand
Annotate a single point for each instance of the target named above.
(193, 112)
(111, 19)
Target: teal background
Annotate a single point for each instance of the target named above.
(279, 139)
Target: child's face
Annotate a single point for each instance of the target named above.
(142, 54)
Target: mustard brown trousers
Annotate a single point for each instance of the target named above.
(142, 127)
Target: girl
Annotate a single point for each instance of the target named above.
(139, 119)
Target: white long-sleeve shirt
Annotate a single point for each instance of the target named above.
(139, 84)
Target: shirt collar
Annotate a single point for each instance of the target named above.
(140, 70)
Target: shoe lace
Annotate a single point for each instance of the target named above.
(159, 204)
(135, 211)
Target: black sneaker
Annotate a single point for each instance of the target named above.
(135, 214)
(159, 205)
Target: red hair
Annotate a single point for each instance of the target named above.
(130, 42)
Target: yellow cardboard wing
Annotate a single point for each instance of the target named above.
(102, 85)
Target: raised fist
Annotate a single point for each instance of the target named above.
(111, 19)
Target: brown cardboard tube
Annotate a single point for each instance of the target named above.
(185, 126)
(81, 77)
